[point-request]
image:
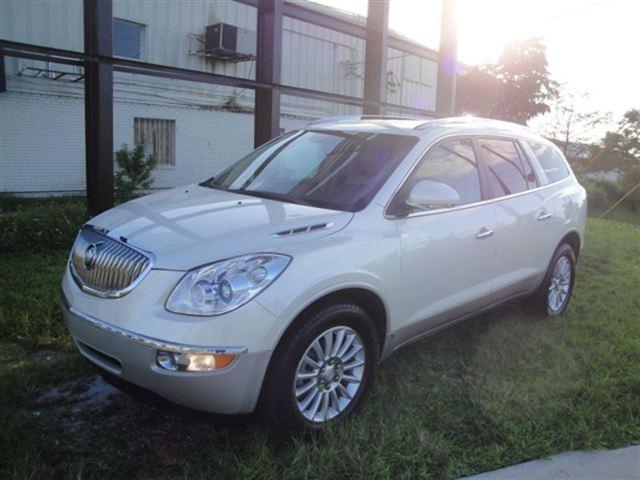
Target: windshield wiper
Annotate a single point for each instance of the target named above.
(271, 196)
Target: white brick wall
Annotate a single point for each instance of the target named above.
(206, 140)
(42, 141)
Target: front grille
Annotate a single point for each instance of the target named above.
(106, 267)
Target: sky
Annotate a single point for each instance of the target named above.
(592, 45)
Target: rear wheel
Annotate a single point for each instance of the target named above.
(321, 371)
(552, 297)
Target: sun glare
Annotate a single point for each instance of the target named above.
(587, 41)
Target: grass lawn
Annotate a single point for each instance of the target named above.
(499, 389)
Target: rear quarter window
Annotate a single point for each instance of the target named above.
(551, 161)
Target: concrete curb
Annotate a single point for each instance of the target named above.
(621, 464)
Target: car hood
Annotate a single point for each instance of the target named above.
(190, 226)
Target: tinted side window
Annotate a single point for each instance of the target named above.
(508, 171)
(453, 163)
(551, 161)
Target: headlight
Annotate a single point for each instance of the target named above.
(224, 286)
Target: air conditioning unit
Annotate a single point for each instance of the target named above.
(228, 42)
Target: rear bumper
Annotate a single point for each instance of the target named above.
(132, 357)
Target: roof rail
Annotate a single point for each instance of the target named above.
(337, 118)
(469, 119)
(386, 117)
(343, 118)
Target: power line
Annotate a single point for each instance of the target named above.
(577, 10)
(620, 200)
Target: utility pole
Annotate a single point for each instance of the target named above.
(447, 60)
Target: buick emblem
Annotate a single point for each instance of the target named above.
(90, 255)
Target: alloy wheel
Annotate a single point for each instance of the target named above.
(329, 374)
(559, 284)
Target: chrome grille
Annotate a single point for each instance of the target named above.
(106, 267)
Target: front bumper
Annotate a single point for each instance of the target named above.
(132, 357)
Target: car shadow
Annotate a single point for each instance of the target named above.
(150, 398)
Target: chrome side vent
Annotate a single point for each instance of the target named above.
(107, 267)
(298, 230)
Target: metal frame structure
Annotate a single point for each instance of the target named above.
(99, 65)
(98, 105)
(268, 69)
(295, 10)
(375, 59)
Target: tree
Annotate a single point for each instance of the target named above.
(569, 122)
(516, 88)
(626, 144)
(629, 131)
(620, 150)
(134, 172)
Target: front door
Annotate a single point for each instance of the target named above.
(448, 254)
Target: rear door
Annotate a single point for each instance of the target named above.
(558, 194)
(521, 237)
(448, 254)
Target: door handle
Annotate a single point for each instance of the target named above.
(543, 215)
(484, 233)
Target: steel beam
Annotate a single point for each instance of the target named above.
(98, 101)
(56, 55)
(375, 60)
(3, 78)
(268, 69)
(19, 49)
(447, 61)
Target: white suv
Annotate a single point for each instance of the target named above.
(284, 280)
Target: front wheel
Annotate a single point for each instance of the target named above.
(552, 297)
(321, 370)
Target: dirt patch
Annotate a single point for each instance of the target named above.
(81, 394)
(90, 414)
(75, 404)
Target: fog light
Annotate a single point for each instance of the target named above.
(192, 362)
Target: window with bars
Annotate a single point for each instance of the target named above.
(158, 137)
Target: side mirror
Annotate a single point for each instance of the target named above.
(430, 195)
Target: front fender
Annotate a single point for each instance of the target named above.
(300, 296)
(365, 255)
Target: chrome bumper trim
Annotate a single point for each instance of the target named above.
(149, 341)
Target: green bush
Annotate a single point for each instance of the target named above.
(612, 190)
(41, 226)
(597, 196)
(629, 183)
(13, 203)
(134, 172)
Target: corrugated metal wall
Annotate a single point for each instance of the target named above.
(313, 57)
(50, 23)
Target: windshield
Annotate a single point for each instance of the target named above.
(336, 170)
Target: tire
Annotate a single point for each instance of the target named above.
(343, 322)
(542, 302)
